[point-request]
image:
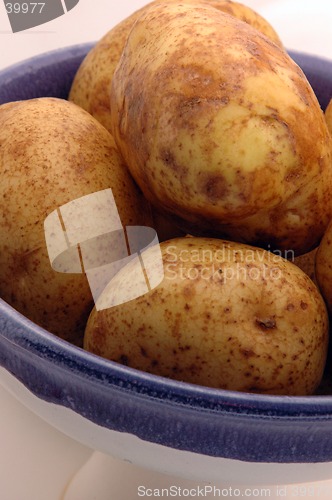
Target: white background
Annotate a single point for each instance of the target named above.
(35, 460)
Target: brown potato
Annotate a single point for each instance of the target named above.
(306, 262)
(222, 129)
(328, 116)
(225, 315)
(91, 85)
(53, 152)
(245, 14)
(323, 267)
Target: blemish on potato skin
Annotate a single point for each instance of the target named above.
(189, 291)
(185, 348)
(169, 160)
(247, 353)
(143, 352)
(214, 187)
(266, 323)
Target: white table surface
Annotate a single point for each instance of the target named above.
(36, 461)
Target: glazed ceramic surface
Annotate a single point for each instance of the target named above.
(145, 418)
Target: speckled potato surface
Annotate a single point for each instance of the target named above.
(220, 128)
(225, 315)
(243, 13)
(323, 267)
(306, 262)
(91, 86)
(328, 116)
(53, 152)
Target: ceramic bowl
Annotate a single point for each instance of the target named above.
(168, 426)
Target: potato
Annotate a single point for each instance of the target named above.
(323, 267)
(91, 86)
(226, 315)
(328, 116)
(221, 128)
(243, 13)
(306, 262)
(53, 152)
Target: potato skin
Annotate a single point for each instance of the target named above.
(222, 129)
(306, 262)
(91, 86)
(53, 152)
(323, 267)
(226, 315)
(328, 116)
(245, 14)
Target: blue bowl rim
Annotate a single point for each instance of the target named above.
(105, 373)
(51, 56)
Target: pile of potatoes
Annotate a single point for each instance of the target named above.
(206, 130)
